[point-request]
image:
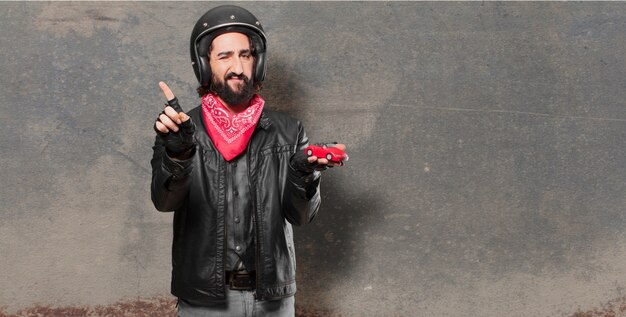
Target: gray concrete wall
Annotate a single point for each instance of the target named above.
(486, 141)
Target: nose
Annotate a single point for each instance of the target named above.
(237, 66)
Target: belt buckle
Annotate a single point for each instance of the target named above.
(241, 281)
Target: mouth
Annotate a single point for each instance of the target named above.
(235, 78)
(235, 83)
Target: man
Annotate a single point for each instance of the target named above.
(236, 176)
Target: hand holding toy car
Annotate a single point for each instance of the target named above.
(308, 160)
(331, 153)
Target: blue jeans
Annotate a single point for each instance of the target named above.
(239, 304)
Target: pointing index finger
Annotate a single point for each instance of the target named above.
(166, 91)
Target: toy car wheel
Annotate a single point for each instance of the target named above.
(329, 156)
(309, 152)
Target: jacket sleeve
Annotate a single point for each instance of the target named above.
(301, 199)
(170, 178)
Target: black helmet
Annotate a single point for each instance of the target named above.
(220, 20)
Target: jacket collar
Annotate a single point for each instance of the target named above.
(264, 121)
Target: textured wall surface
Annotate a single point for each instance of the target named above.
(487, 152)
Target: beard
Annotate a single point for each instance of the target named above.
(231, 97)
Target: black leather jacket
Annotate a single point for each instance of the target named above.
(196, 190)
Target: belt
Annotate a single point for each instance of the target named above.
(241, 280)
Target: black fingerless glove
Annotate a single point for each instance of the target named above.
(300, 162)
(179, 144)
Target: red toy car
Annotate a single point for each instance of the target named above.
(332, 154)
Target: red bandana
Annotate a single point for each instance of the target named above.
(230, 132)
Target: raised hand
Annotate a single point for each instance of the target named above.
(173, 115)
(174, 127)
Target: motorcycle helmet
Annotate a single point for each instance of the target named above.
(220, 20)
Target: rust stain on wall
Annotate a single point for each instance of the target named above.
(158, 306)
(151, 307)
(614, 308)
(303, 312)
(166, 306)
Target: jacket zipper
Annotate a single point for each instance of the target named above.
(222, 176)
(257, 257)
(225, 237)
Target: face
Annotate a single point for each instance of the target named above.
(231, 64)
